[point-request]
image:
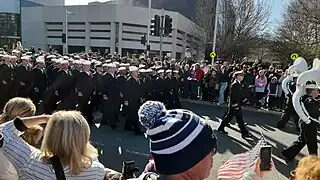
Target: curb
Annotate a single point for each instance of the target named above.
(248, 109)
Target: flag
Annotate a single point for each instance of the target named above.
(238, 164)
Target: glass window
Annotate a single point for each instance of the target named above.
(9, 28)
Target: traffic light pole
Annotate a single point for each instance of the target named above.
(161, 33)
(148, 34)
(66, 31)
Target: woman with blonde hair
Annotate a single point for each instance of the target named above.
(66, 152)
(308, 169)
(17, 107)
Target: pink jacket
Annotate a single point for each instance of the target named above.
(261, 82)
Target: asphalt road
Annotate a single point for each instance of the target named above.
(117, 146)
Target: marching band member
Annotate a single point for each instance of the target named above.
(234, 106)
(308, 132)
(289, 85)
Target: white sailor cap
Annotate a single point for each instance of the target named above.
(15, 51)
(13, 57)
(25, 57)
(51, 56)
(6, 56)
(28, 53)
(126, 65)
(65, 57)
(108, 61)
(116, 63)
(312, 86)
(133, 68)
(169, 71)
(77, 57)
(122, 68)
(86, 63)
(40, 59)
(76, 62)
(149, 70)
(161, 71)
(111, 65)
(104, 65)
(142, 70)
(142, 66)
(64, 62)
(70, 60)
(175, 71)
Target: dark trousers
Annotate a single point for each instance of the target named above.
(109, 113)
(308, 136)
(289, 111)
(86, 108)
(132, 121)
(186, 88)
(228, 117)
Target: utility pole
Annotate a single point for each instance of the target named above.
(66, 31)
(215, 30)
(148, 34)
(161, 32)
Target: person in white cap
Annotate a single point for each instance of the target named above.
(111, 96)
(77, 68)
(85, 86)
(133, 100)
(6, 82)
(160, 86)
(39, 80)
(22, 82)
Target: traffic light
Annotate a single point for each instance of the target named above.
(155, 26)
(143, 40)
(64, 38)
(167, 25)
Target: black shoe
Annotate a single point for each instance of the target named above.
(113, 127)
(138, 133)
(286, 157)
(246, 135)
(228, 125)
(221, 130)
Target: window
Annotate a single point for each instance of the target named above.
(98, 30)
(76, 23)
(53, 36)
(10, 24)
(54, 23)
(76, 30)
(54, 30)
(76, 37)
(100, 38)
(100, 23)
(135, 25)
(130, 32)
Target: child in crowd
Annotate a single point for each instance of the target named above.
(272, 97)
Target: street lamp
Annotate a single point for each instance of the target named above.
(66, 30)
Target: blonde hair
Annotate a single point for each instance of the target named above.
(17, 107)
(67, 135)
(308, 168)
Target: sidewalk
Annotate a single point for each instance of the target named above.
(248, 109)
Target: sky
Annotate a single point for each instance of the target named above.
(277, 7)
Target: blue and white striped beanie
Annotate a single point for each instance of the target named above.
(179, 139)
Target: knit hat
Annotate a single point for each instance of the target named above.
(179, 139)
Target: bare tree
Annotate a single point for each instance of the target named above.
(240, 25)
(299, 30)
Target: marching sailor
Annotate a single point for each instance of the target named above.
(308, 132)
(234, 106)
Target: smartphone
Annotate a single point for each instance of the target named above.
(265, 157)
(127, 169)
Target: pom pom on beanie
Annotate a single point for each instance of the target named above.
(150, 112)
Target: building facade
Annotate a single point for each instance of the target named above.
(10, 17)
(117, 27)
